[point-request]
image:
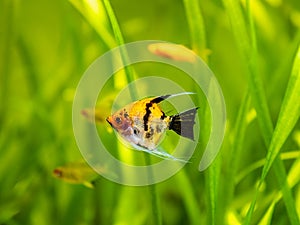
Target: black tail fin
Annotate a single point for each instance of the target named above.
(183, 123)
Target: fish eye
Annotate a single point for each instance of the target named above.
(135, 131)
(118, 120)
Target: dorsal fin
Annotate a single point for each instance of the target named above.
(163, 97)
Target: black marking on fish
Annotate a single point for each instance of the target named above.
(150, 133)
(158, 129)
(148, 111)
(163, 116)
(160, 98)
(147, 115)
(183, 123)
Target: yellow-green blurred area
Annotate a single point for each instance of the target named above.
(45, 47)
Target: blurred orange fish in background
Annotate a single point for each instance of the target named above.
(176, 52)
(79, 173)
(76, 173)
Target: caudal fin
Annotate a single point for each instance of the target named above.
(183, 123)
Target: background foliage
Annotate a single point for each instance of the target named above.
(45, 47)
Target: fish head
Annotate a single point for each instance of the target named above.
(121, 122)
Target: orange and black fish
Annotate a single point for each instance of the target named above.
(143, 124)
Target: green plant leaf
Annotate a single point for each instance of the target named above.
(213, 188)
(94, 14)
(196, 27)
(266, 220)
(237, 145)
(293, 179)
(288, 116)
(189, 196)
(120, 41)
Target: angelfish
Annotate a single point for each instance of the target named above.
(143, 124)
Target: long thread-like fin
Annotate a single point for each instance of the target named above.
(163, 97)
(159, 152)
(183, 123)
(164, 155)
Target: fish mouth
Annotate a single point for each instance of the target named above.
(108, 120)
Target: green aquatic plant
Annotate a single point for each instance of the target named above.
(251, 46)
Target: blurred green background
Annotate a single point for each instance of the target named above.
(45, 47)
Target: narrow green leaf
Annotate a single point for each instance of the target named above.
(120, 41)
(94, 14)
(286, 193)
(238, 24)
(237, 145)
(293, 179)
(285, 64)
(266, 220)
(196, 27)
(288, 116)
(189, 197)
(294, 173)
(156, 210)
(213, 187)
(114, 22)
(198, 42)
